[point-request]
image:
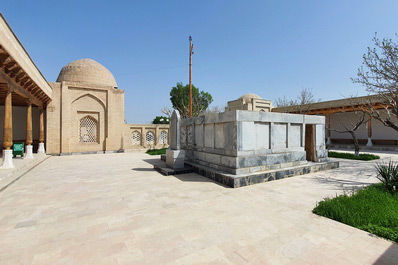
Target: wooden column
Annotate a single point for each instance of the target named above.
(328, 124)
(7, 129)
(41, 125)
(369, 143)
(328, 132)
(370, 128)
(29, 138)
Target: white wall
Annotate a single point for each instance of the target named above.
(379, 131)
(337, 120)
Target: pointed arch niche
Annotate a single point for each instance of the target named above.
(87, 124)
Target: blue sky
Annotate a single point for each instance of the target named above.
(270, 48)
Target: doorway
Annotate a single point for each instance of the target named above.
(310, 142)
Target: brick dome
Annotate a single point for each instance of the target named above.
(87, 71)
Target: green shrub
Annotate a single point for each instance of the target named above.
(372, 209)
(365, 157)
(161, 120)
(387, 173)
(389, 233)
(156, 151)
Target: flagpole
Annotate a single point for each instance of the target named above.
(190, 76)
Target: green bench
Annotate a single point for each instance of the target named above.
(18, 149)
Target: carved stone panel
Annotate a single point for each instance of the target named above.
(175, 130)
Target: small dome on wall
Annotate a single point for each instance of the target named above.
(248, 97)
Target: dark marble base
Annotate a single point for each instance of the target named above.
(162, 168)
(236, 181)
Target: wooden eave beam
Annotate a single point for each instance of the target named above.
(24, 79)
(40, 96)
(34, 89)
(38, 92)
(342, 109)
(10, 65)
(31, 87)
(19, 76)
(15, 71)
(3, 59)
(28, 84)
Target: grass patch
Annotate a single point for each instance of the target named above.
(365, 157)
(372, 209)
(152, 152)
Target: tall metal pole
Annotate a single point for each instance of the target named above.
(190, 76)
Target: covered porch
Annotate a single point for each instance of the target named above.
(372, 134)
(24, 95)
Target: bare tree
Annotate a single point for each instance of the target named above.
(379, 74)
(215, 109)
(301, 104)
(351, 126)
(284, 102)
(167, 111)
(306, 97)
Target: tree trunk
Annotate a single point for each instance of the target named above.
(392, 125)
(356, 144)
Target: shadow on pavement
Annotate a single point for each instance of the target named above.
(389, 256)
(153, 161)
(143, 169)
(342, 184)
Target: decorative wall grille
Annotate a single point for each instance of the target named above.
(163, 137)
(150, 137)
(136, 138)
(88, 130)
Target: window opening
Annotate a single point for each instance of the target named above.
(88, 130)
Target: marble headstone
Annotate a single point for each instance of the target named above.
(174, 156)
(175, 131)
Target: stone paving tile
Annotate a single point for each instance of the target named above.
(115, 209)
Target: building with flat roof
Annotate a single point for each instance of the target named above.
(341, 112)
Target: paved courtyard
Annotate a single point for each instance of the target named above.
(115, 209)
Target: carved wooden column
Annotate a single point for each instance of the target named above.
(7, 131)
(7, 136)
(41, 149)
(328, 142)
(29, 138)
(369, 125)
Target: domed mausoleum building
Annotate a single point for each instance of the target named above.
(86, 114)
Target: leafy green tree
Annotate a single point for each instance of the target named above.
(179, 96)
(161, 120)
